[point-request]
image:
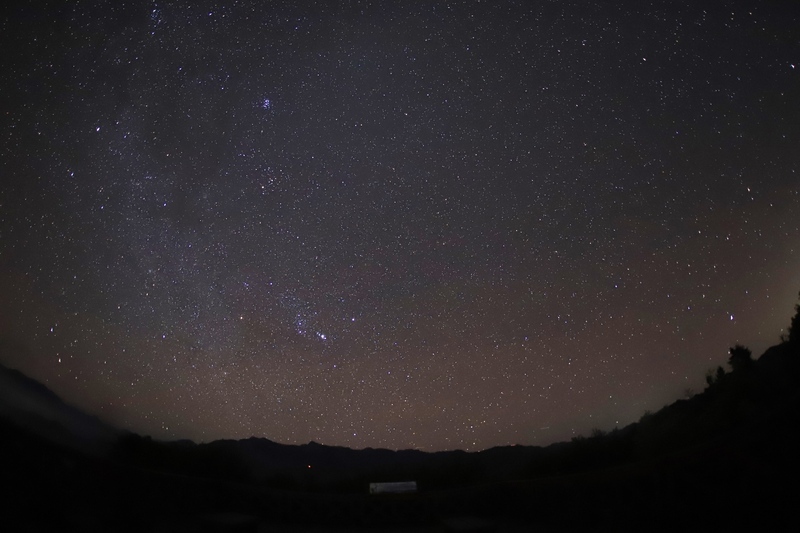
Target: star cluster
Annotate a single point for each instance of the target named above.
(416, 224)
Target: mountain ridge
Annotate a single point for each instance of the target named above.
(704, 455)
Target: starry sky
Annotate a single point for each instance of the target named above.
(434, 225)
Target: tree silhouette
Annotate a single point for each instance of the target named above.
(741, 358)
(715, 376)
(794, 327)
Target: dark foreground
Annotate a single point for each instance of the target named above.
(725, 459)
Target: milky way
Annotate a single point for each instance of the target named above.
(415, 224)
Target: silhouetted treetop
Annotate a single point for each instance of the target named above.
(794, 327)
(741, 358)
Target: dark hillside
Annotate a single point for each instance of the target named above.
(725, 457)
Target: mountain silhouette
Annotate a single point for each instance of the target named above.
(34, 407)
(722, 458)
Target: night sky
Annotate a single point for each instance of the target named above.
(437, 225)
